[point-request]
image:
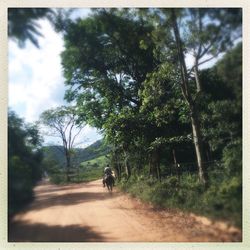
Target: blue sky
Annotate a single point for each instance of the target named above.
(36, 80)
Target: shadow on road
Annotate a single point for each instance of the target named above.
(25, 232)
(45, 186)
(49, 195)
(69, 199)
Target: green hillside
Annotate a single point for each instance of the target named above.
(87, 163)
(93, 169)
(55, 153)
(101, 161)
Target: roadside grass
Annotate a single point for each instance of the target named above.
(222, 200)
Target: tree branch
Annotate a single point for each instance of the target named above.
(73, 140)
(184, 75)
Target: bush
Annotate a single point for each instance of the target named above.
(221, 200)
(232, 158)
(58, 178)
(24, 161)
(19, 184)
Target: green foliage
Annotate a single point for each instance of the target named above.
(21, 183)
(24, 161)
(22, 24)
(58, 178)
(225, 200)
(221, 200)
(211, 31)
(124, 70)
(222, 107)
(131, 90)
(105, 66)
(232, 158)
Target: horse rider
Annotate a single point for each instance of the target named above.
(107, 172)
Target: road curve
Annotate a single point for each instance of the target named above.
(87, 212)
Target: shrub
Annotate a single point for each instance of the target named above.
(58, 178)
(19, 185)
(232, 158)
(221, 200)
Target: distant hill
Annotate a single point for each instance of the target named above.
(95, 150)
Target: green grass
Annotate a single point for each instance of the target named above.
(222, 200)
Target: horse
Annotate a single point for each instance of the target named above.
(109, 181)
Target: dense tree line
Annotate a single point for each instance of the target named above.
(175, 129)
(24, 161)
(127, 72)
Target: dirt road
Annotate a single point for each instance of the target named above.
(87, 212)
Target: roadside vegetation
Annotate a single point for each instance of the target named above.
(221, 200)
(24, 162)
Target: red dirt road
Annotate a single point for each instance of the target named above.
(88, 212)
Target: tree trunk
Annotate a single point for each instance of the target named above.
(197, 138)
(176, 166)
(117, 170)
(157, 162)
(158, 170)
(154, 165)
(197, 79)
(127, 165)
(67, 166)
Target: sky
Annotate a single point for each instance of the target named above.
(36, 80)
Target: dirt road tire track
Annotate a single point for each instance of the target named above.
(89, 213)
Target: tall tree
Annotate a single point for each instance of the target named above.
(110, 56)
(105, 66)
(63, 123)
(222, 107)
(204, 33)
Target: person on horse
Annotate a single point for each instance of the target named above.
(107, 172)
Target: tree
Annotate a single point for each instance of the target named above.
(24, 161)
(115, 60)
(165, 111)
(105, 66)
(62, 122)
(201, 32)
(222, 107)
(22, 24)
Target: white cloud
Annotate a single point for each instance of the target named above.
(35, 75)
(36, 81)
